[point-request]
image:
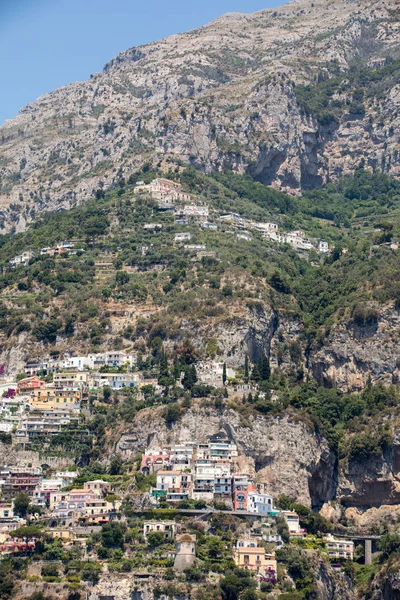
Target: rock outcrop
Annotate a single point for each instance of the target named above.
(352, 354)
(221, 96)
(284, 452)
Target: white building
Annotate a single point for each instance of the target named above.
(199, 212)
(195, 247)
(264, 227)
(323, 247)
(168, 528)
(182, 237)
(208, 225)
(152, 226)
(339, 548)
(261, 504)
(293, 523)
(22, 259)
(115, 381)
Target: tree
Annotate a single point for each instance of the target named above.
(112, 535)
(215, 548)
(164, 377)
(90, 572)
(190, 377)
(224, 374)
(155, 539)
(21, 504)
(264, 368)
(246, 369)
(106, 393)
(235, 582)
(121, 278)
(172, 413)
(115, 465)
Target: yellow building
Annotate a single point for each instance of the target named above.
(51, 397)
(71, 380)
(249, 556)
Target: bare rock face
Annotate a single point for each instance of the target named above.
(221, 96)
(372, 483)
(386, 584)
(332, 585)
(352, 354)
(284, 453)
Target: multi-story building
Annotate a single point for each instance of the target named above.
(28, 384)
(250, 556)
(223, 486)
(163, 190)
(154, 460)
(323, 247)
(46, 487)
(99, 487)
(53, 397)
(339, 548)
(115, 381)
(6, 510)
(22, 259)
(32, 366)
(175, 485)
(182, 455)
(182, 237)
(240, 491)
(74, 381)
(261, 504)
(49, 422)
(192, 210)
(16, 481)
(293, 522)
(168, 528)
(273, 538)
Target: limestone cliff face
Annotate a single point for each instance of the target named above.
(352, 354)
(332, 585)
(221, 96)
(386, 584)
(372, 483)
(284, 452)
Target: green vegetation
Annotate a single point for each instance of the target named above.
(345, 93)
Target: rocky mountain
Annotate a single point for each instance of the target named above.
(294, 96)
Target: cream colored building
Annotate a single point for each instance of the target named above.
(51, 397)
(248, 555)
(339, 548)
(168, 528)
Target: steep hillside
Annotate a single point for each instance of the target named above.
(295, 97)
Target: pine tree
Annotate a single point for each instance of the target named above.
(177, 368)
(255, 374)
(163, 374)
(265, 371)
(224, 374)
(246, 369)
(190, 377)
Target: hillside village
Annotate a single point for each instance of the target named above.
(199, 479)
(196, 480)
(186, 208)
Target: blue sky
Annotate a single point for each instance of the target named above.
(48, 43)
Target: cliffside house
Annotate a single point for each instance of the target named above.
(338, 548)
(249, 555)
(22, 259)
(168, 528)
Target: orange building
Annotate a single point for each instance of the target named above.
(28, 384)
(240, 491)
